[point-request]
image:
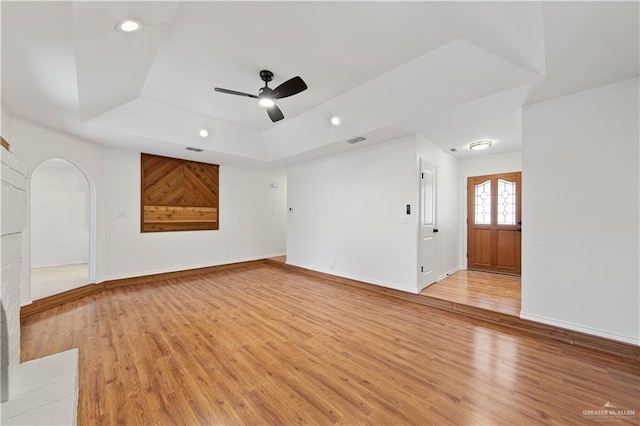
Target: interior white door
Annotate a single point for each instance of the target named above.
(427, 226)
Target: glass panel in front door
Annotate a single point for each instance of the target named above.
(482, 205)
(506, 202)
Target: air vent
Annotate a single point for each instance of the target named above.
(190, 148)
(453, 150)
(356, 140)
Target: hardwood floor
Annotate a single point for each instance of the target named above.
(494, 292)
(265, 345)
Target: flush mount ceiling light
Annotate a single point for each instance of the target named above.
(203, 133)
(129, 26)
(335, 121)
(477, 146)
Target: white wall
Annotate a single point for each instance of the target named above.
(252, 213)
(346, 211)
(484, 165)
(34, 144)
(252, 222)
(59, 215)
(490, 164)
(5, 124)
(581, 191)
(447, 207)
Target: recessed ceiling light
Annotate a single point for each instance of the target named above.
(335, 121)
(204, 133)
(129, 26)
(477, 146)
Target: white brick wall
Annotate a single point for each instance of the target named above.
(42, 391)
(13, 201)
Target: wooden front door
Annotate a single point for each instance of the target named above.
(494, 223)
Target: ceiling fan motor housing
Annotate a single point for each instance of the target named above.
(265, 91)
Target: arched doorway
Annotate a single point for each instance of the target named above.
(62, 228)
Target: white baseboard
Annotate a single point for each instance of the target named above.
(442, 277)
(582, 329)
(451, 272)
(365, 280)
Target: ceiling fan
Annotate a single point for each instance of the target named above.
(267, 96)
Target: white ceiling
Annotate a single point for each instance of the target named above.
(454, 72)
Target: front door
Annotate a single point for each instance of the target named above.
(494, 223)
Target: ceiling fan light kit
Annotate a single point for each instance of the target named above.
(266, 100)
(267, 96)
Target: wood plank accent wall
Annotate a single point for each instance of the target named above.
(178, 195)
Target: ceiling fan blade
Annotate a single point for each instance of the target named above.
(289, 88)
(233, 92)
(274, 113)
